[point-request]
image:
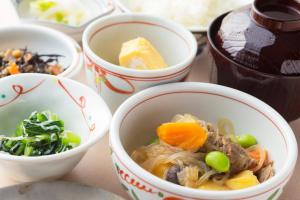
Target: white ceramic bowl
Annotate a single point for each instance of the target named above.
(82, 110)
(96, 8)
(44, 40)
(102, 41)
(136, 120)
(124, 5)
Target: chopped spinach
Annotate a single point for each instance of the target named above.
(43, 133)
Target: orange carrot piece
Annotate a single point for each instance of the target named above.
(56, 70)
(188, 136)
(255, 154)
(261, 159)
(13, 69)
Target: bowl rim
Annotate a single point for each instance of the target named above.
(280, 178)
(77, 56)
(272, 22)
(75, 151)
(211, 45)
(178, 29)
(194, 29)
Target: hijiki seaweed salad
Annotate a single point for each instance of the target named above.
(43, 133)
(16, 61)
(192, 153)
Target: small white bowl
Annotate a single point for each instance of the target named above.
(136, 120)
(96, 8)
(102, 41)
(124, 5)
(42, 40)
(82, 110)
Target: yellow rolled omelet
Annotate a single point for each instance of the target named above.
(140, 54)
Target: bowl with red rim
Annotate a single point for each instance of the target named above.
(135, 121)
(82, 110)
(44, 40)
(102, 41)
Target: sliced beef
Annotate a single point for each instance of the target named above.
(239, 158)
(172, 174)
(265, 172)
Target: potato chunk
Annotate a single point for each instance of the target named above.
(160, 170)
(210, 185)
(242, 180)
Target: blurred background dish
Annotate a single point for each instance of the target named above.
(70, 17)
(196, 15)
(256, 50)
(81, 109)
(58, 190)
(102, 42)
(44, 41)
(134, 124)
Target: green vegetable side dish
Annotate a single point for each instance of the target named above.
(43, 133)
(246, 140)
(62, 12)
(154, 141)
(218, 161)
(44, 5)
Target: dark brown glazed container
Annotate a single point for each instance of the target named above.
(258, 52)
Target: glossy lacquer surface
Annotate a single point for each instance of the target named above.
(256, 49)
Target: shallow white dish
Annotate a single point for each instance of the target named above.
(43, 40)
(58, 190)
(97, 8)
(136, 120)
(81, 109)
(124, 6)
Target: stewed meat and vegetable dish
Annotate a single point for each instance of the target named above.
(193, 153)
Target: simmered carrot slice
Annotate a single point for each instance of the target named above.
(13, 69)
(186, 135)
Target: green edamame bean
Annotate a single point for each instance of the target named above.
(218, 161)
(246, 140)
(154, 141)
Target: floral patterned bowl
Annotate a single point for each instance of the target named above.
(102, 41)
(82, 110)
(135, 122)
